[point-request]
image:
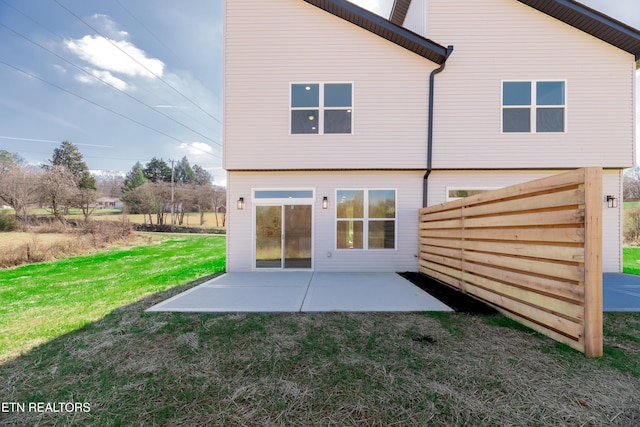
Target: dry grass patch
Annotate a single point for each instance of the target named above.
(408, 369)
(50, 241)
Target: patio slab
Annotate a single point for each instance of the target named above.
(367, 292)
(303, 291)
(621, 292)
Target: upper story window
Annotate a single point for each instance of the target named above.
(321, 108)
(533, 107)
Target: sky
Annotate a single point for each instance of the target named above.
(128, 80)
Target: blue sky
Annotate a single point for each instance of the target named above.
(153, 89)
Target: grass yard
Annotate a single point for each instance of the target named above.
(42, 301)
(631, 260)
(368, 369)
(75, 331)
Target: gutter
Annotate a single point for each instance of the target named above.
(432, 78)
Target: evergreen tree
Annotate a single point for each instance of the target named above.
(157, 170)
(134, 178)
(202, 176)
(68, 156)
(10, 160)
(183, 173)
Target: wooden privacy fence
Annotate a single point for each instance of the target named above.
(533, 251)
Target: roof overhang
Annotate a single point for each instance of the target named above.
(384, 28)
(399, 11)
(592, 22)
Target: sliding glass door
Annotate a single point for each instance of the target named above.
(283, 236)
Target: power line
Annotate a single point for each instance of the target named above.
(49, 140)
(32, 20)
(145, 27)
(92, 102)
(138, 62)
(107, 83)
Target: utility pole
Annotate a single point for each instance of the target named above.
(172, 192)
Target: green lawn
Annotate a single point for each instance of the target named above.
(631, 260)
(91, 343)
(629, 205)
(39, 302)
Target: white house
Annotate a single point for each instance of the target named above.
(340, 124)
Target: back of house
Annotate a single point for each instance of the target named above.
(340, 124)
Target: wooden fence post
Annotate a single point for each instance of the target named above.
(593, 263)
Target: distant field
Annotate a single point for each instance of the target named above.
(190, 219)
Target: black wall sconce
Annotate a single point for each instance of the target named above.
(612, 202)
(325, 202)
(240, 203)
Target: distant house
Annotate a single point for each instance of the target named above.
(108, 203)
(340, 124)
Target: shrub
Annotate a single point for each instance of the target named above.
(632, 226)
(8, 222)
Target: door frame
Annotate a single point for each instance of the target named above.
(282, 201)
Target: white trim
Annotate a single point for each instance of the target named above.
(534, 107)
(321, 108)
(365, 220)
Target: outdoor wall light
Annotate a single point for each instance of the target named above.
(325, 202)
(241, 203)
(612, 202)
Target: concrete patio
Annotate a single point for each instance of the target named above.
(306, 291)
(621, 292)
(303, 292)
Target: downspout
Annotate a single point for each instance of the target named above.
(432, 79)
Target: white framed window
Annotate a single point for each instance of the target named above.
(455, 193)
(321, 108)
(366, 219)
(534, 106)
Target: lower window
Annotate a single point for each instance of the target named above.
(366, 219)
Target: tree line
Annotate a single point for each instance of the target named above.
(154, 190)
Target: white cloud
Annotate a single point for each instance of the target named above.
(109, 55)
(105, 76)
(107, 26)
(198, 151)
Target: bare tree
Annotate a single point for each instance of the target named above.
(19, 188)
(219, 202)
(150, 199)
(85, 199)
(203, 200)
(110, 185)
(57, 189)
(631, 188)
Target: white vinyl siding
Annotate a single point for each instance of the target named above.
(269, 45)
(416, 19)
(504, 40)
(408, 186)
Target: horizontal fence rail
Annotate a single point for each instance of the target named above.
(533, 251)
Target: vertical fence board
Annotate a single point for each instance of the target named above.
(593, 263)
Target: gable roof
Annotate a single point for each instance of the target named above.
(384, 28)
(399, 11)
(592, 22)
(570, 12)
